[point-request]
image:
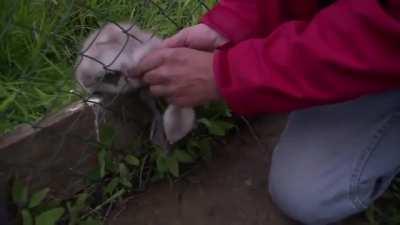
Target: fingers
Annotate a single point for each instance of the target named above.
(161, 90)
(178, 40)
(151, 61)
(155, 77)
(154, 71)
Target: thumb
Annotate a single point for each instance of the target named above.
(176, 41)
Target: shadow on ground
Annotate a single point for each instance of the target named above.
(229, 190)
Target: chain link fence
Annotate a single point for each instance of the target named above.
(50, 129)
(50, 126)
(41, 40)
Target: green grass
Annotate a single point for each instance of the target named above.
(39, 42)
(40, 39)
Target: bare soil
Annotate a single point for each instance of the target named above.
(231, 189)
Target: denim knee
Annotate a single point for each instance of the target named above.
(297, 197)
(333, 161)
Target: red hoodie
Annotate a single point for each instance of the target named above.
(290, 54)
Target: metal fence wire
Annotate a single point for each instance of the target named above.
(54, 134)
(46, 47)
(40, 41)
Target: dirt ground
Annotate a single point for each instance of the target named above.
(231, 189)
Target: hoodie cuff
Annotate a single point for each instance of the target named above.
(222, 77)
(225, 22)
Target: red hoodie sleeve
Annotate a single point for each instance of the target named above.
(237, 20)
(349, 49)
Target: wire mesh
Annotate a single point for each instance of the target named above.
(40, 41)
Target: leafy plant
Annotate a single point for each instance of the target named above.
(217, 127)
(38, 198)
(39, 41)
(49, 217)
(28, 206)
(19, 193)
(39, 44)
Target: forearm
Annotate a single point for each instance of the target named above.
(348, 50)
(236, 20)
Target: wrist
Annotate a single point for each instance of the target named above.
(217, 37)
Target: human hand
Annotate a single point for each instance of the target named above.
(200, 37)
(183, 76)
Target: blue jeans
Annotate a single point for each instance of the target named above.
(333, 161)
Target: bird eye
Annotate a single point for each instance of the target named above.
(112, 77)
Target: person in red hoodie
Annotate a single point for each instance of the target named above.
(335, 65)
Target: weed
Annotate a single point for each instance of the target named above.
(40, 39)
(119, 174)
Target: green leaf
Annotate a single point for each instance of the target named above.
(77, 208)
(81, 200)
(107, 135)
(173, 166)
(183, 156)
(6, 102)
(49, 217)
(92, 221)
(125, 176)
(123, 171)
(205, 149)
(73, 214)
(217, 127)
(26, 217)
(38, 197)
(162, 165)
(101, 157)
(19, 193)
(126, 182)
(40, 93)
(111, 186)
(3, 91)
(132, 160)
(218, 110)
(222, 127)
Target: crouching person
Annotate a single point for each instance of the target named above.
(333, 64)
